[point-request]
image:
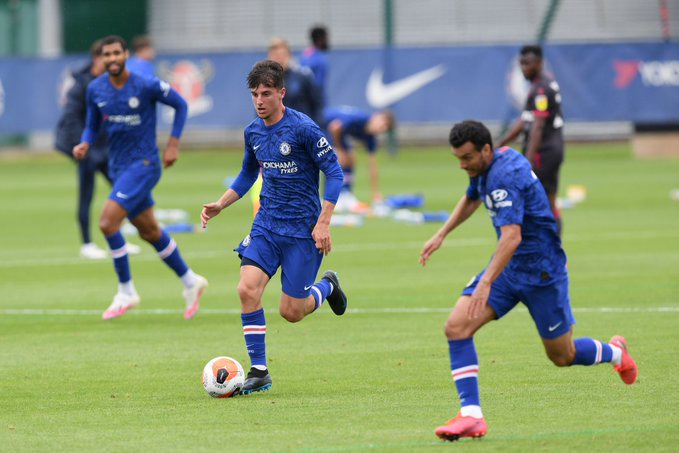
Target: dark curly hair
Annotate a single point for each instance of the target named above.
(470, 131)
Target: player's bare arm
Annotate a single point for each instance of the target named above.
(210, 210)
(171, 153)
(80, 150)
(511, 135)
(463, 210)
(510, 239)
(321, 231)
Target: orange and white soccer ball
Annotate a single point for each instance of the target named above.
(223, 377)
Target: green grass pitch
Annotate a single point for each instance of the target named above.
(377, 378)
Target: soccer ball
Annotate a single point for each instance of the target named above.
(223, 377)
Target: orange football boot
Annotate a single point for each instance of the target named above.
(462, 427)
(628, 368)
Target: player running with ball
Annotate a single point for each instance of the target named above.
(291, 229)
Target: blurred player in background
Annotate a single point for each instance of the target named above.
(69, 129)
(126, 105)
(542, 125)
(528, 266)
(291, 229)
(315, 58)
(141, 61)
(345, 124)
(301, 92)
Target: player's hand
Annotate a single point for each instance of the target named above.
(479, 300)
(209, 211)
(80, 150)
(321, 235)
(429, 248)
(170, 155)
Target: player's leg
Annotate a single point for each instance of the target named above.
(464, 363)
(564, 351)
(112, 216)
(551, 158)
(260, 259)
(86, 178)
(168, 251)
(464, 366)
(550, 308)
(101, 165)
(253, 281)
(300, 296)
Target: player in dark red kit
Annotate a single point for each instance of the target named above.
(542, 124)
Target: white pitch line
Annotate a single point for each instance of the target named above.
(354, 311)
(148, 255)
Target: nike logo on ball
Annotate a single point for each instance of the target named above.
(380, 94)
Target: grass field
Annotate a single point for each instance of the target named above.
(377, 378)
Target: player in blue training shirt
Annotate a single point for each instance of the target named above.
(346, 124)
(528, 266)
(291, 229)
(126, 105)
(315, 57)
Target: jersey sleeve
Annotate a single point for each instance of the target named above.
(248, 173)
(507, 200)
(325, 158)
(93, 118)
(165, 94)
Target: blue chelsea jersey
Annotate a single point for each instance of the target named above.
(290, 154)
(513, 195)
(128, 115)
(353, 122)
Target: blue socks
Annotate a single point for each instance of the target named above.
(348, 182)
(320, 291)
(464, 365)
(254, 331)
(589, 351)
(121, 263)
(169, 252)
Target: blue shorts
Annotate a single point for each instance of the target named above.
(549, 305)
(298, 258)
(132, 187)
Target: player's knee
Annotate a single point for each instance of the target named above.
(561, 359)
(150, 233)
(247, 294)
(291, 313)
(457, 330)
(107, 227)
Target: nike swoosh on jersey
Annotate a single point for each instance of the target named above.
(380, 94)
(255, 147)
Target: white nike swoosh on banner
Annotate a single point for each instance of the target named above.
(380, 94)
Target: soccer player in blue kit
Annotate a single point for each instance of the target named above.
(291, 229)
(345, 124)
(126, 105)
(528, 266)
